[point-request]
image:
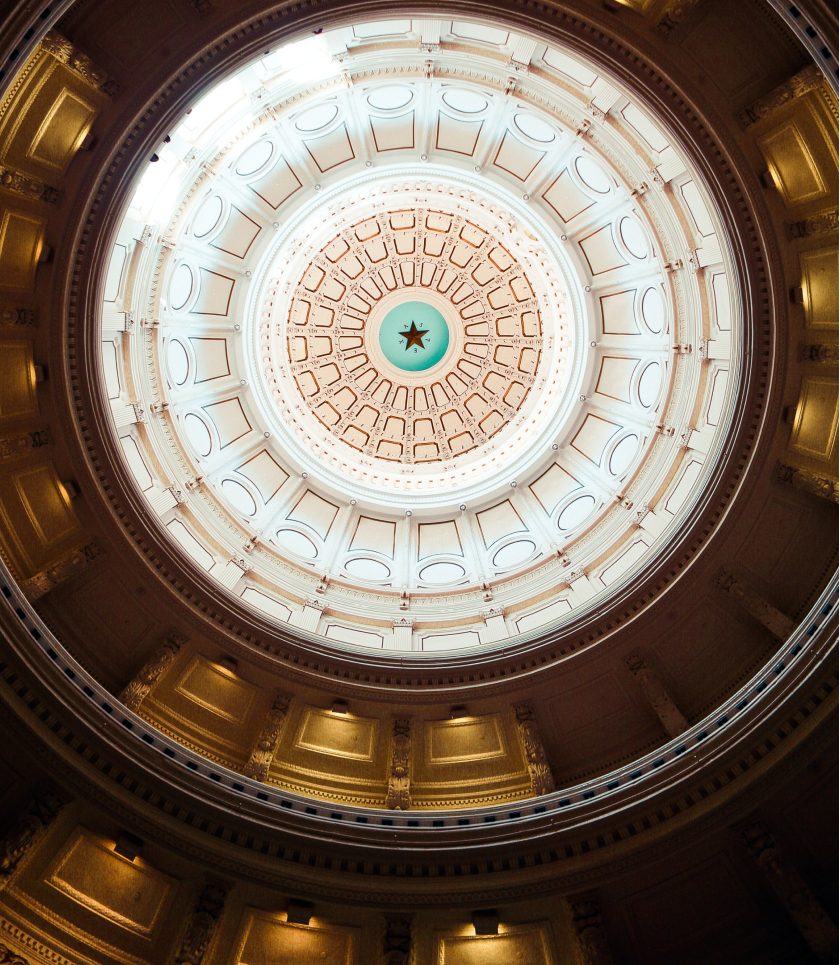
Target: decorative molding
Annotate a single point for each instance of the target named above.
(806, 80)
(63, 569)
(397, 945)
(776, 622)
(14, 315)
(38, 814)
(542, 780)
(665, 709)
(818, 930)
(10, 957)
(142, 685)
(672, 16)
(69, 55)
(13, 446)
(808, 482)
(31, 188)
(263, 754)
(822, 353)
(202, 925)
(588, 928)
(816, 224)
(398, 797)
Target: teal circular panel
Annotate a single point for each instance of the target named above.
(414, 336)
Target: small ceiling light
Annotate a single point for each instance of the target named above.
(582, 398)
(299, 912)
(526, 197)
(586, 288)
(593, 343)
(463, 507)
(128, 845)
(408, 512)
(317, 187)
(368, 163)
(228, 664)
(555, 447)
(70, 488)
(424, 157)
(352, 502)
(486, 922)
(477, 168)
(458, 713)
(40, 373)
(339, 707)
(267, 434)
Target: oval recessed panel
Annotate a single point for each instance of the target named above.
(178, 362)
(576, 512)
(208, 216)
(297, 543)
(255, 158)
(316, 118)
(181, 286)
(513, 553)
(649, 385)
(441, 573)
(239, 496)
(390, 98)
(653, 310)
(534, 128)
(633, 237)
(623, 454)
(464, 101)
(367, 569)
(198, 434)
(592, 175)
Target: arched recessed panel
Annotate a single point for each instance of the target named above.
(633, 237)
(653, 310)
(208, 216)
(181, 287)
(255, 158)
(366, 568)
(464, 101)
(239, 497)
(178, 362)
(390, 98)
(198, 434)
(649, 384)
(297, 543)
(623, 454)
(513, 553)
(534, 128)
(592, 175)
(316, 117)
(440, 573)
(576, 512)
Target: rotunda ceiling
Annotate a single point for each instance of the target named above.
(424, 361)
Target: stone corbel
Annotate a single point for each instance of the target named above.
(73, 58)
(800, 84)
(585, 912)
(398, 797)
(542, 780)
(148, 678)
(777, 623)
(263, 754)
(808, 482)
(63, 569)
(202, 924)
(30, 825)
(31, 188)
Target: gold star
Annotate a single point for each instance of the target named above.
(414, 336)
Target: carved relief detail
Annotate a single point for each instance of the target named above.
(202, 925)
(825, 354)
(65, 567)
(17, 445)
(14, 315)
(8, 957)
(672, 15)
(143, 684)
(61, 48)
(776, 622)
(19, 841)
(542, 781)
(396, 943)
(806, 80)
(263, 754)
(31, 188)
(817, 224)
(589, 930)
(399, 778)
(658, 698)
(808, 482)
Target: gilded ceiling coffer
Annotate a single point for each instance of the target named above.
(399, 778)
(542, 781)
(588, 928)
(263, 754)
(808, 482)
(142, 685)
(806, 80)
(202, 925)
(776, 622)
(29, 826)
(657, 696)
(818, 930)
(71, 564)
(396, 943)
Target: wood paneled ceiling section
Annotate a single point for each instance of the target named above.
(571, 430)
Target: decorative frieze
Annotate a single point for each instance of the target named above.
(17, 445)
(18, 315)
(808, 482)
(822, 353)
(32, 188)
(396, 943)
(658, 698)
(589, 930)
(142, 685)
(63, 569)
(672, 15)
(542, 781)
(806, 80)
(202, 925)
(29, 826)
(399, 777)
(817, 224)
(69, 55)
(776, 622)
(818, 930)
(263, 754)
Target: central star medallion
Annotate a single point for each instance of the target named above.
(414, 336)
